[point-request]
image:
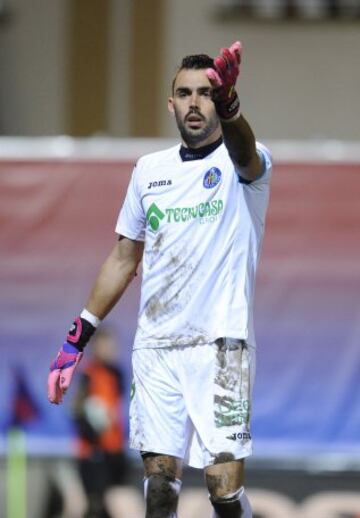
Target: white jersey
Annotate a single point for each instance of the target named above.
(203, 230)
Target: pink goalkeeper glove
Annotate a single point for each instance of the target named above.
(223, 79)
(63, 367)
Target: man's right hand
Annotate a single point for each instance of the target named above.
(61, 372)
(63, 367)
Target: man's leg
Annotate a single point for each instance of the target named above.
(225, 482)
(162, 484)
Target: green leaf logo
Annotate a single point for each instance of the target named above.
(154, 215)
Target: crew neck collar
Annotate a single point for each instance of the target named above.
(188, 153)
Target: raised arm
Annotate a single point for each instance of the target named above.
(114, 277)
(237, 133)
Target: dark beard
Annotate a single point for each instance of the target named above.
(194, 137)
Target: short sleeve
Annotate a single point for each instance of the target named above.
(266, 161)
(131, 221)
(257, 192)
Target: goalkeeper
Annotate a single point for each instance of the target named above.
(194, 215)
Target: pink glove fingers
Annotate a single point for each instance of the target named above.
(223, 79)
(67, 375)
(232, 68)
(236, 49)
(227, 67)
(229, 57)
(61, 372)
(214, 78)
(54, 392)
(220, 65)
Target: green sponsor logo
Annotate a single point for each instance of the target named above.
(229, 412)
(154, 215)
(202, 210)
(207, 212)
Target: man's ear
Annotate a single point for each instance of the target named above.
(171, 105)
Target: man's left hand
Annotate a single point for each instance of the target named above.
(223, 78)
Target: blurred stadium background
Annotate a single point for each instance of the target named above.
(83, 88)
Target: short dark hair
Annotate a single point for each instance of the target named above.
(195, 62)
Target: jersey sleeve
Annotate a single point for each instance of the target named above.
(257, 192)
(266, 161)
(131, 221)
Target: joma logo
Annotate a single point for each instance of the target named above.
(241, 436)
(159, 183)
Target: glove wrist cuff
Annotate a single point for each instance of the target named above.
(228, 110)
(80, 333)
(90, 317)
(231, 119)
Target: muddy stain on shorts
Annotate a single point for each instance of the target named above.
(232, 384)
(224, 456)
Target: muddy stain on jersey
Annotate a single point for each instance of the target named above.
(175, 292)
(158, 243)
(194, 336)
(155, 253)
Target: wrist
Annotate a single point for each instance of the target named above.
(228, 110)
(82, 329)
(90, 317)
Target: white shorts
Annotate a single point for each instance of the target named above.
(193, 402)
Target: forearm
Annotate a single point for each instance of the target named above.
(114, 277)
(241, 145)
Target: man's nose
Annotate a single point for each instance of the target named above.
(194, 100)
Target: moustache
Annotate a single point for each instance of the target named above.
(195, 113)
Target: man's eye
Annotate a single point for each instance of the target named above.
(206, 93)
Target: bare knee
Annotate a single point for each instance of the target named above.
(162, 485)
(225, 482)
(157, 464)
(224, 478)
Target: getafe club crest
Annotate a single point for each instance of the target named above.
(212, 177)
